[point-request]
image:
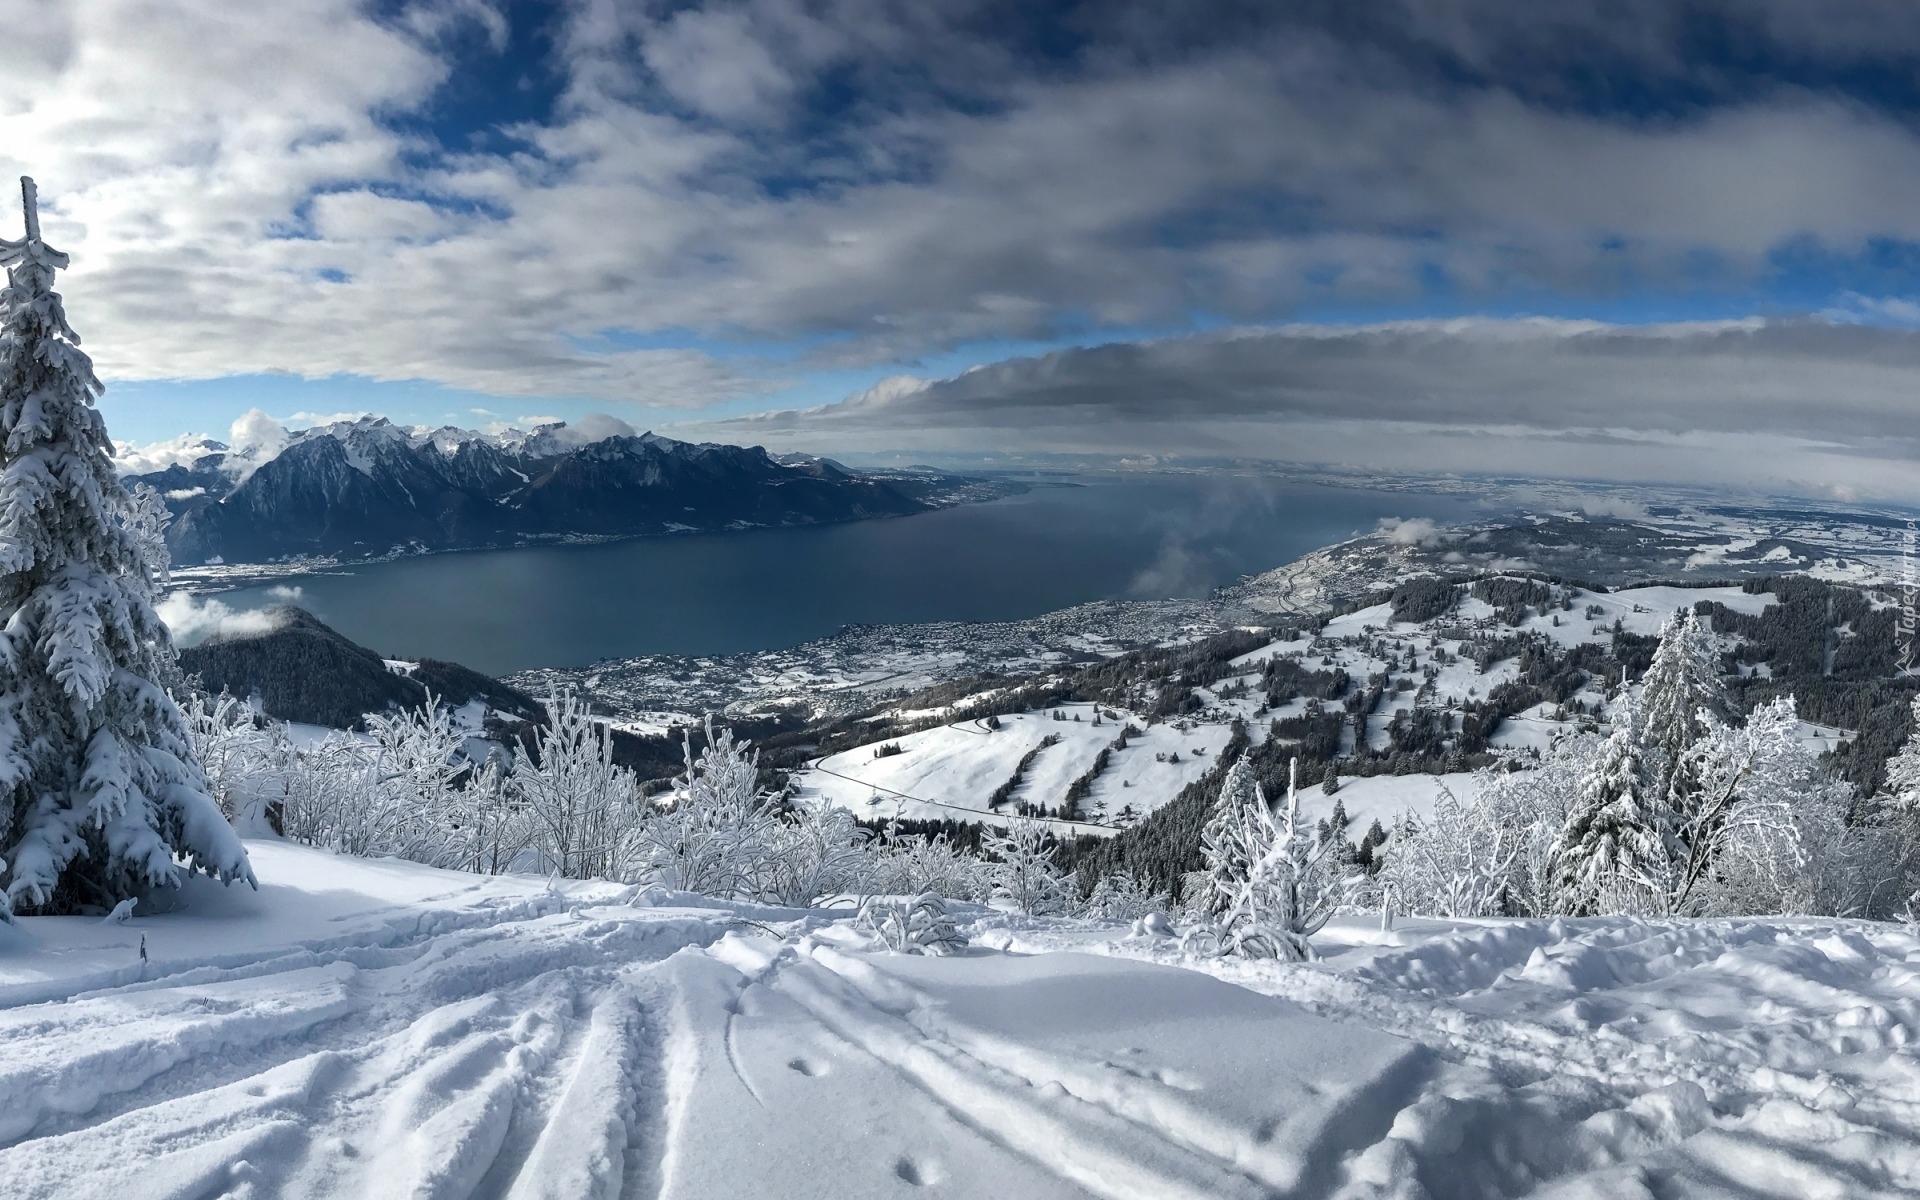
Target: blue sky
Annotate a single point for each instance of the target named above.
(692, 214)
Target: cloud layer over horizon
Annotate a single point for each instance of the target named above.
(1808, 406)
(723, 206)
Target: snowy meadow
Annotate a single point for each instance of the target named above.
(375, 1027)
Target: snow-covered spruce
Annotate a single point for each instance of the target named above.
(1228, 859)
(1614, 851)
(1665, 815)
(100, 796)
(1680, 697)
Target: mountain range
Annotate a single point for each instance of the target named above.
(369, 488)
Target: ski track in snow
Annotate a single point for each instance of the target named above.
(383, 1030)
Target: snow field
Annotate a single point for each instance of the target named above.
(1608, 1057)
(1384, 798)
(952, 771)
(366, 1028)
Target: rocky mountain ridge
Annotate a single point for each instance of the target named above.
(368, 488)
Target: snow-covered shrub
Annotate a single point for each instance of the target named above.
(1535, 804)
(1459, 862)
(1769, 829)
(714, 835)
(490, 826)
(1123, 897)
(921, 925)
(328, 794)
(239, 753)
(812, 853)
(100, 796)
(585, 817)
(1492, 857)
(1275, 880)
(908, 866)
(1021, 869)
(419, 762)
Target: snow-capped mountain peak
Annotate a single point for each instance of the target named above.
(364, 486)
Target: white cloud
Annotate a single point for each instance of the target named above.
(258, 435)
(237, 202)
(596, 427)
(184, 451)
(1409, 531)
(194, 618)
(711, 62)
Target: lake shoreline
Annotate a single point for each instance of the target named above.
(1047, 549)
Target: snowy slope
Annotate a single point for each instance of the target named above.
(1383, 797)
(382, 1029)
(952, 771)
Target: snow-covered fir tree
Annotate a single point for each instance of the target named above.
(1613, 854)
(1680, 693)
(100, 796)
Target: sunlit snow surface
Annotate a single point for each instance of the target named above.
(379, 1029)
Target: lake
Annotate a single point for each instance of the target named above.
(1103, 537)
